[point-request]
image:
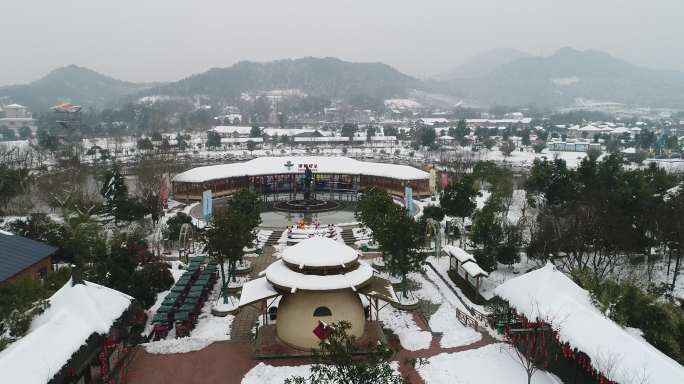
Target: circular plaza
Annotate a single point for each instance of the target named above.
(313, 188)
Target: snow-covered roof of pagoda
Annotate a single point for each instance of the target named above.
(319, 164)
(320, 252)
(279, 274)
(75, 313)
(550, 295)
(256, 290)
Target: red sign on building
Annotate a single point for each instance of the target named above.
(321, 331)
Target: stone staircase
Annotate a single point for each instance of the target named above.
(273, 239)
(348, 237)
(245, 319)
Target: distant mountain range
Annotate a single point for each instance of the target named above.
(568, 74)
(503, 76)
(328, 77)
(483, 63)
(73, 84)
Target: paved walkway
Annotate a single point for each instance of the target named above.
(223, 362)
(241, 329)
(227, 362)
(404, 357)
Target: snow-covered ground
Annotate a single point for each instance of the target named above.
(269, 374)
(494, 363)
(402, 324)
(209, 329)
(504, 273)
(453, 333)
(526, 158)
(433, 290)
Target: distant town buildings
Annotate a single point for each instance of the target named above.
(16, 117)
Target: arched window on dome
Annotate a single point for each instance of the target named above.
(322, 311)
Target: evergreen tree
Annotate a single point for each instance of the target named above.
(255, 131)
(507, 147)
(213, 139)
(458, 200)
(114, 190)
(251, 146)
(145, 144)
(118, 203)
(525, 137)
(13, 182)
(370, 132)
(428, 136)
(400, 237)
(349, 130)
(434, 212)
(338, 361)
(398, 234)
(181, 142)
(487, 233)
(373, 207)
(232, 229)
(461, 131)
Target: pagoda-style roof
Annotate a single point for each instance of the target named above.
(319, 252)
(281, 276)
(317, 264)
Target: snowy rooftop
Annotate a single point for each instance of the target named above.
(473, 269)
(321, 164)
(75, 313)
(229, 129)
(549, 294)
(319, 252)
(460, 255)
(280, 275)
(256, 290)
(241, 139)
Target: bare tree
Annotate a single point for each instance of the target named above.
(531, 347)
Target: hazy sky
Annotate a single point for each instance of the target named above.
(144, 40)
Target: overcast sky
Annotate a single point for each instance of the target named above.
(145, 40)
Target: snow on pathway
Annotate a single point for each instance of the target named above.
(402, 324)
(180, 345)
(454, 333)
(494, 363)
(411, 336)
(268, 374)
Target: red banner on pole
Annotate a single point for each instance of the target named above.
(164, 192)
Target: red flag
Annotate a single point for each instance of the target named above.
(321, 331)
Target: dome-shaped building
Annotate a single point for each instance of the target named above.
(320, 280)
